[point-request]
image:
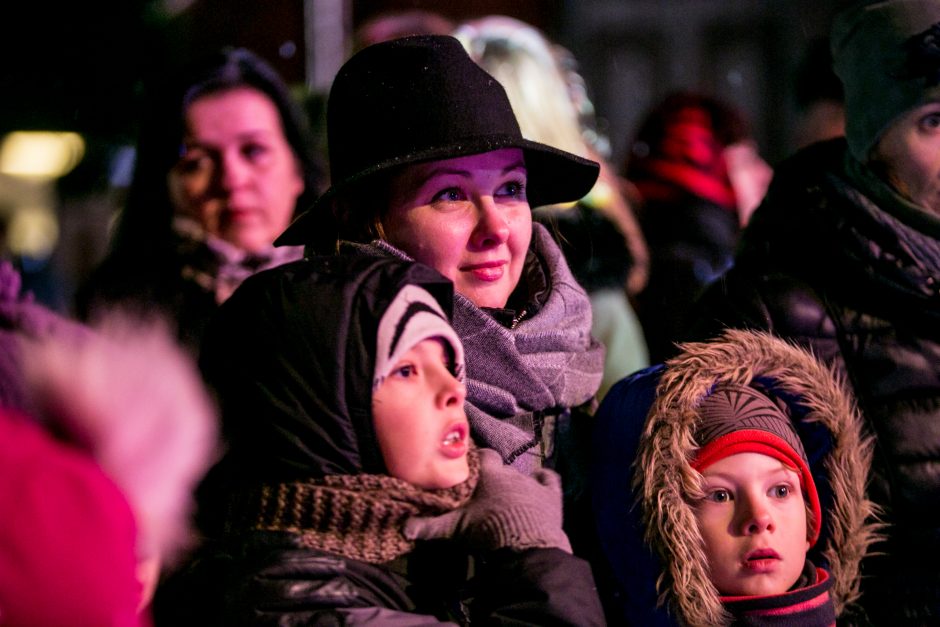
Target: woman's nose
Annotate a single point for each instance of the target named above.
(492, 228)
(233, 172)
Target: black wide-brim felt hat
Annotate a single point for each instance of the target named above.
(420, 99)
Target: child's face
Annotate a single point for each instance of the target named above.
(753, 522)
(420, 421)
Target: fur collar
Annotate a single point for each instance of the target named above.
(826, 419)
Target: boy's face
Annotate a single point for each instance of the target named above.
(753, 522)
(420, 421)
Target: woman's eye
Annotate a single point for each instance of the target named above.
(719, 496)
(451, 194)
(254, 151)
(513, 189)
(780, 491)
(191, 163)
(931, 122)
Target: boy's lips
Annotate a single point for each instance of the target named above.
(454, 443)
(761, 560)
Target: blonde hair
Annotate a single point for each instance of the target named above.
(550, 102)
(527, 66)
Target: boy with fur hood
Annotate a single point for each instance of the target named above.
(341, 387)
(660, 429)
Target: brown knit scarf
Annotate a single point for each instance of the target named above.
(357, 516)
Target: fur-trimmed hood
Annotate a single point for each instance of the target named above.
(827, 422)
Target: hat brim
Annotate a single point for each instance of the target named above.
(553, 176)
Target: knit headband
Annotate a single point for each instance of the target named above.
(739, 419)
(413, 316)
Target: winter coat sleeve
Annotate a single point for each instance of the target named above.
(630, 566)
(534, 587)
(268, 578)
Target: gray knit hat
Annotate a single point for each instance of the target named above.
(413, 316)
(888, 56)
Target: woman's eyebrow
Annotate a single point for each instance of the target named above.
(422, 178)
(518, 165)
(444, 170)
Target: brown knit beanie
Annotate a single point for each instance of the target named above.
(740, 419)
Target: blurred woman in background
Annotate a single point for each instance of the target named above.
(223, 165)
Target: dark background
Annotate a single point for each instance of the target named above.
(82, 66)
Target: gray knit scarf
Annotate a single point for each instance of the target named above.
(519, 380)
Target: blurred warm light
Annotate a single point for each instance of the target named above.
(32, 232)
(40, 154)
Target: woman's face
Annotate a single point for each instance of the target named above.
(910, 150)
(419, 419)
(468, 218)
(237, 175)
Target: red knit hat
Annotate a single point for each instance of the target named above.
(740, 419)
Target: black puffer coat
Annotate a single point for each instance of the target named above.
(821, 264)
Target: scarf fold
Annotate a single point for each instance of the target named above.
(219, 266)
(360, 517)
(520, 379)
(807, 605)
(916, 230)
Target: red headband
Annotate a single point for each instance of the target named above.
(765, 443)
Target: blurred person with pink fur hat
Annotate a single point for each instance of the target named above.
(105, 433)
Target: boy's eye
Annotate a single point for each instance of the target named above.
(780, 491)
(719, 496)
(408, 370)
(451, 194)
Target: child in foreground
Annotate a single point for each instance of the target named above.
(341, 387)
(758, 509)
(729, 487)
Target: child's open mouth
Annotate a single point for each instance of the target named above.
(761, 560)
(454, 442)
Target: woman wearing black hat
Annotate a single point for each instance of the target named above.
(428, 163)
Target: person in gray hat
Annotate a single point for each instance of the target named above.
(843, 256)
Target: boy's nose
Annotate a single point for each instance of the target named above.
(451, 392)
(491, 229)
(755, 517)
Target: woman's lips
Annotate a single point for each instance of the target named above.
(240, 214)
(488, 271)
(454, 443)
